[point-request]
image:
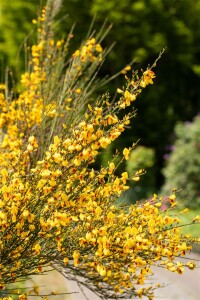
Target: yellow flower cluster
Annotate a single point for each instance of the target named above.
(88, 51)
(55, 207)
(147, 78)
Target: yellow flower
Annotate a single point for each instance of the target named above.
(104, 142)
(147, 78)
(58, 44)
(25, 213)
(120, 91)
(98, 210)
(88, 236)
(191, 265)
(37, 248)
(31, 139)
(4, 174)
(110, 215)
(184, 211)
(136, 178)
(76, 53)
(41, 183)
(99, 48)
(101, 270)
(78, 91)
(46, 173)
(196, 219)
(127, 68)
(129, 97)
(76, 254)
(32, 227)
(126, 153)
(172, 198)
(2, 86)
(140, 293)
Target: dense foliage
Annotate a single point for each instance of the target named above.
(182, 170)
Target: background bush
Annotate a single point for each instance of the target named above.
(182, 168)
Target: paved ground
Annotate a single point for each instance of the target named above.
(177, 287)
(52, 282)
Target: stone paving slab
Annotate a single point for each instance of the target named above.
(177, 287)
(50, 282)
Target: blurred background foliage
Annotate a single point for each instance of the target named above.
(182, 168)
(141, 29)
(142, 158)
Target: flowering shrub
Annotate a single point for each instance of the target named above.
(55, 209)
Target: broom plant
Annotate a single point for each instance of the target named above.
(57, 210)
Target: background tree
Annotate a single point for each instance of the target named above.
(15, 30)
(182, 168)
(141, 29)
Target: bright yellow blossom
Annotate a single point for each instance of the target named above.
(126, 153)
